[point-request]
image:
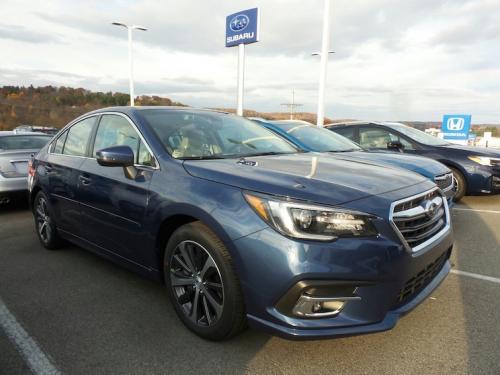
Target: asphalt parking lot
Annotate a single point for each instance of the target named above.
(81, 314)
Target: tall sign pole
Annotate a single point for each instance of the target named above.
(324, 63)
(241, 78)
(242, 28)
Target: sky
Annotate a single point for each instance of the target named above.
(394, 60)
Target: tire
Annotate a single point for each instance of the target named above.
(45, 224)
(212, 286)
(461, 184)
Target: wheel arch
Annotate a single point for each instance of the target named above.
(182, 216)
(461, 169)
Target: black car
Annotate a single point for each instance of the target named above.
(476, 170)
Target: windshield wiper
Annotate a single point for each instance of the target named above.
(206, 157)
(348, 150)
(266, 154)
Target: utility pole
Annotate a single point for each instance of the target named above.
(291, 106)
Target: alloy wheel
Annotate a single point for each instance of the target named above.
(197, 283)
(43, 220)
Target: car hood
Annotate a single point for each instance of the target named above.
(424, 166)
(481, 151)
(311, 176)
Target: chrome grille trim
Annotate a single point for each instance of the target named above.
(445, 181)
(409, 209)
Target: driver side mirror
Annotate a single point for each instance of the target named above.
(395, 146)
(118, 156)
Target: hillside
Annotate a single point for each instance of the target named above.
(56, 106)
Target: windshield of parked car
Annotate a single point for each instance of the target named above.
(317, 139)
(212, 135)
(23, 142)
(419, 136)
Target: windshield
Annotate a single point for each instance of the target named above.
(211, 135)
(23, 142)
(318, 139)
(419, 136)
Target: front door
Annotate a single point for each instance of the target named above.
(114, 206)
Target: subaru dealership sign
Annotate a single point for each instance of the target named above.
(456, 127)
(242, 27)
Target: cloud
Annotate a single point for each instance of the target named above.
(23, 34)
(412, 59)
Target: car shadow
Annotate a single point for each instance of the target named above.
(19, 204)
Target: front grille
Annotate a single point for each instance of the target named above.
(419, 281)
(421, 218)
(444, 181)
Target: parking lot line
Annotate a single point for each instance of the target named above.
(476, 276)
(35, 358)
(474, 210)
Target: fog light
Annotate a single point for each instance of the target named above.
(320, 307)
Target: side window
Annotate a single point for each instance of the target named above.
(116, 130)
(347, 132)
(78, 138)
(374, 138)
(144, 157)
(59, 144)
(378, 138)
(407, 145)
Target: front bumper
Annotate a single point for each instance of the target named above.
(483, 179)
(380, 268)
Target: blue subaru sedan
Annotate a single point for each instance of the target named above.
(239, 224)
(311, 138)
(476, 170)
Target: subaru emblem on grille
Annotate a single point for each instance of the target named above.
(430, 208)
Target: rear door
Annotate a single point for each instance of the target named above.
(114, 206)
(66, 155)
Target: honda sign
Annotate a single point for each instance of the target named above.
(456, 127)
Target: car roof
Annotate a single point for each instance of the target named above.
(14, 133)
(382, 123)
(130, 110)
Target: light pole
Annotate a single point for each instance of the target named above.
(324, 62)
(131, 68)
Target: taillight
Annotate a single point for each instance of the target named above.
(31, 168)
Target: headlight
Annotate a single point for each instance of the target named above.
(311, 222)
(485, 160)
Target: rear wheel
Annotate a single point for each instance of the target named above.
(202, 283)
(461, 183)
(44, 223)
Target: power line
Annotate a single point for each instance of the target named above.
(291, 106)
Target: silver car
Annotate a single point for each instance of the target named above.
(16, 149)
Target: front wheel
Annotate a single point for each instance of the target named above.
(461, 188)
(202, 284)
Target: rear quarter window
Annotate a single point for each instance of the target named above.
(78, 137)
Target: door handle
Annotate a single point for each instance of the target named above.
(48, 168)
(85, 179)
